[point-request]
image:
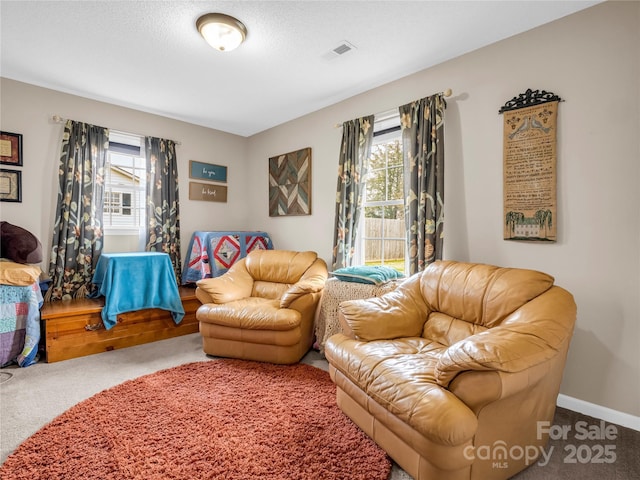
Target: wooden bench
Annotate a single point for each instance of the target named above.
(75, 329)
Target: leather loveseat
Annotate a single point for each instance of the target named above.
(263, 307)
(452, 372)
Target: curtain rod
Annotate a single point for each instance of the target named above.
(59, 119)
(447, 93)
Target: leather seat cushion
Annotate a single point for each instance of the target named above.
(399, 376)
(252, 314)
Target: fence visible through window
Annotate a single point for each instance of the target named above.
(382, 228)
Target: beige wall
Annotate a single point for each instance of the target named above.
(590, 59)
(27, 109)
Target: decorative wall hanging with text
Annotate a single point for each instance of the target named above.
(290, 184)
(529, 166)
(207, 191)
(207, 171)
(11, 149)
(10, 185)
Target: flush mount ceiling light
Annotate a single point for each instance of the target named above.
(221, 31)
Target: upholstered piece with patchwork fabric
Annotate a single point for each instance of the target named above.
(458, 357)
(263, 307)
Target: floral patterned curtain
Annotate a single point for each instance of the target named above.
(77, 232)
(163, 216)
(423, 152)
(357, 136)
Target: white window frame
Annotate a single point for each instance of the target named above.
(385, 121)
(114, 203)
(115, 221)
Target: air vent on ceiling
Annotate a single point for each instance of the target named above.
(343, 48)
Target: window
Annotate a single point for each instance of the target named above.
(124, 194)
(117, 203)
(382, 229)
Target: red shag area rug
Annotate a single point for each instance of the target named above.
(220, 419)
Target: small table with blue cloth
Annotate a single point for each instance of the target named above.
(136, 281)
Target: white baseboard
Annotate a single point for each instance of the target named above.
(597, 411)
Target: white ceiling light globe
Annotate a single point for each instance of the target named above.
(222, 32)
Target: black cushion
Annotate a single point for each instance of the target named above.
(19, 245)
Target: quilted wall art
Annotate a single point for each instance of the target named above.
(290, 184)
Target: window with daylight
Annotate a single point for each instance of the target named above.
(124, 194)
(382, 229)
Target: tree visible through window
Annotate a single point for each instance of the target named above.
(382, 228)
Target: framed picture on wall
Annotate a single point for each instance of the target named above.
(11, 149)
(290, 184)
(207, 171)
(207, 192)
(10, 185)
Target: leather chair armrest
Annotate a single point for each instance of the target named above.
(479, 388)
(531, 335)
(344, 326)
(400, 313)
(235, 284)
(306, 303)
(312, 285)
(312, 281)
(203, 296)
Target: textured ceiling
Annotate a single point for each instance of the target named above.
(148, 55)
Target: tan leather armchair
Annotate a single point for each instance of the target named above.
(263, 307)
(453, 372)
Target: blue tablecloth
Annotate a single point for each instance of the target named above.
(211, 254)
(136, 281)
